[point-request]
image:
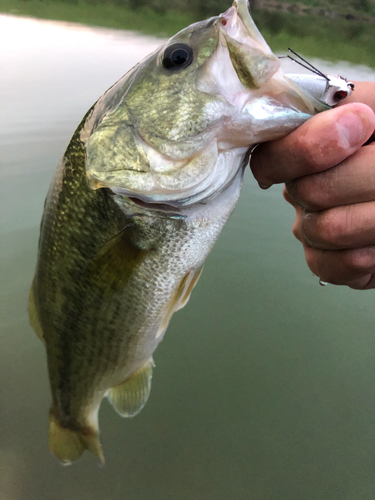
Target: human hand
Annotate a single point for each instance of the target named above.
(329, 178)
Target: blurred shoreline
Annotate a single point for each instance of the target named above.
(350, 11)
(332, 32)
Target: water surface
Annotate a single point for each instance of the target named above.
(265, 383)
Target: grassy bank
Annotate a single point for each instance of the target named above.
(331, 39)
(108, 15)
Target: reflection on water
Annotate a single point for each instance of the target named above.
(264, 385)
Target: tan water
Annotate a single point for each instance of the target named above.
(265, 383)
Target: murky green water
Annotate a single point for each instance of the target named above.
(265, 383)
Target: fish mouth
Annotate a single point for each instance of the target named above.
(254, 62)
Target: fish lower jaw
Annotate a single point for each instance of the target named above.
(219, 177)
(161, 207)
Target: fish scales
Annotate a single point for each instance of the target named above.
(146, 185)
(127, 328)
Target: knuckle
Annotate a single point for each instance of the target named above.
(297, 229)
(333, 228)
(325, 229)
(286, 196)
(315, 192)
(308, 192)
(361, 284)
(359, 260)
(311, 257)
(307, 150)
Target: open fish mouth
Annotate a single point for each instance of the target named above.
(251, 56)
(237, 23)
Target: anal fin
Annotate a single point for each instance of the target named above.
(129, 398)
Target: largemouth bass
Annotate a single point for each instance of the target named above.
(148, 181)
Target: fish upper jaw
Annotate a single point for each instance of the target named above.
(238, 23)
(251, 57)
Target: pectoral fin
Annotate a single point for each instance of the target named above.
(114, 264)
(130, 397)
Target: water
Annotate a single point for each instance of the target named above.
(264, 385)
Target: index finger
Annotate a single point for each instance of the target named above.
(320, 143)
(363, 92)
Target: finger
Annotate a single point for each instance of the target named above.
(339, 228)
(320, 143)
(363, 92)
(297, 230)
(287, 197)
(354, 268)
(352, 181)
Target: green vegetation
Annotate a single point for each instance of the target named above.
(106, 14)
(340, 30)
(331, 39)
(345, 7)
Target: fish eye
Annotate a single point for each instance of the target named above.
(177, 55)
